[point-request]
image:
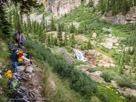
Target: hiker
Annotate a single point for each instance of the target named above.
(11, 46)
(20, 39)
(19, 57)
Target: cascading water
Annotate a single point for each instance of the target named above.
(80, 55)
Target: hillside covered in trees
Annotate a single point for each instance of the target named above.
(80, 56)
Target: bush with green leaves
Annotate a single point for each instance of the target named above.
(107, 76)
(125, 81)
(131, 98)
(79, 81)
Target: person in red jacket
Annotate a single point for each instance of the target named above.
(22, 58)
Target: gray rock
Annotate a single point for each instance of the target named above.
(126, 67)
(29, 69)
(85, 68)
(65, 55)
(94, 35)
(52, 83)
(20, 68)
(61, 7)
(96, 76)
(122, 97)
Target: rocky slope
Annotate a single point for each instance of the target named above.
(130, 17)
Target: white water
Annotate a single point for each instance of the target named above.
(80, 55)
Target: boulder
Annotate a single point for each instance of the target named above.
(115, 19)
(94, 35)
(126, 67)
(128, 48)
(29, 69)
(52, 84)
(20, 68)
(85, 68)
(65, 55)
(95, 2)
(96, 76)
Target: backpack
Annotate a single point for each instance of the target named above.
(14, 56)
(11, 47)
(23, 39)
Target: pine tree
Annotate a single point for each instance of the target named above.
(43, 21)
(53, 27)
(66, 38)
(91, 3)
(72, 29)
(16, 21)
(134, 60)
(29, 24)
(55, 41)
(121, 65)
(59, 35)
(101, 6)
(127, 58)
(10, 18)
(89, 46)
(73, 40)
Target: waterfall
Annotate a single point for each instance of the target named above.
(80, 55)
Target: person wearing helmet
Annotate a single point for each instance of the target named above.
(20, 39)
(22, 57)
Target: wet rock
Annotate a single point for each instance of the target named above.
(65, 55)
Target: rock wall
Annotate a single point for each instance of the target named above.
(94, 1)
(130, 17)
(61, 7)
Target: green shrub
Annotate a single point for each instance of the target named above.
(79, 81)
(131, 98)
(105, 49)
(107, 76)
(125, 81)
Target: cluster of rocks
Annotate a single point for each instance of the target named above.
(124, 91)
(109, 42)
(92, 60)
(104, 61)
(130, 17)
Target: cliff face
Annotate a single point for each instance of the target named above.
(95, 2)
(61, 7)
(130, 17)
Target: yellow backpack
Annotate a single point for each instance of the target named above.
(8, 74)
(19, 58)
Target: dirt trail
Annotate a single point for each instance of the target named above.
(35, 84)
